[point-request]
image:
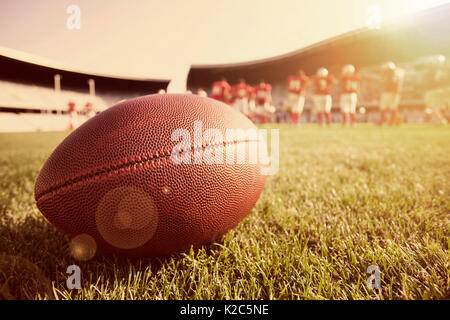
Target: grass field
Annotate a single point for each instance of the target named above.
(344, 199)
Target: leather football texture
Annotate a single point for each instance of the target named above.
(115, 179)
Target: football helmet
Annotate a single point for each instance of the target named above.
(322, 72)
(388, 66)
(202, 93)
(348, 69)
(437, 60)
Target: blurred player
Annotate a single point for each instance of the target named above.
(221, 90)
(392, 80)
(263, 100)
(447, 98)
(202, 93)
(73, 115)
(436, 82)
(241, 93)
(349, 96)
(89, 110)
(322, 95)
(296, 96)
(282, 112)
(251, 103)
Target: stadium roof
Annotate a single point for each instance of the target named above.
(51, 64)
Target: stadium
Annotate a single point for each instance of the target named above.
(93, 205)
(35, 93)
(33, 85)
(404, 42)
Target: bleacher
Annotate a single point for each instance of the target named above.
(25, 108)
(30, 97)
(35, 91)
(31, 122)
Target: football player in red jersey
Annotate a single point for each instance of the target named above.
(89, 110)
(296, 96)
(322, 95)
(392, 80)
(436, 82)
(263, 100)
(349, 96)
(241, 93)
(221, 91)
(73, 115)
(251, 103)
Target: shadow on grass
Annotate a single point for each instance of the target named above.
(34, 255)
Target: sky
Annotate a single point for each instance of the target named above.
(161, 39)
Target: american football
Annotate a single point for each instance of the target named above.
(113, 180)
(211, 157)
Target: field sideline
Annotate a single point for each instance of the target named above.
(344, 199)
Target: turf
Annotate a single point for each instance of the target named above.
(344, 199)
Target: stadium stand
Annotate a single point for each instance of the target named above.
(22, 96)
(35, 92)
(26, 122)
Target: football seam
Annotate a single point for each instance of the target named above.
(127, 163)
